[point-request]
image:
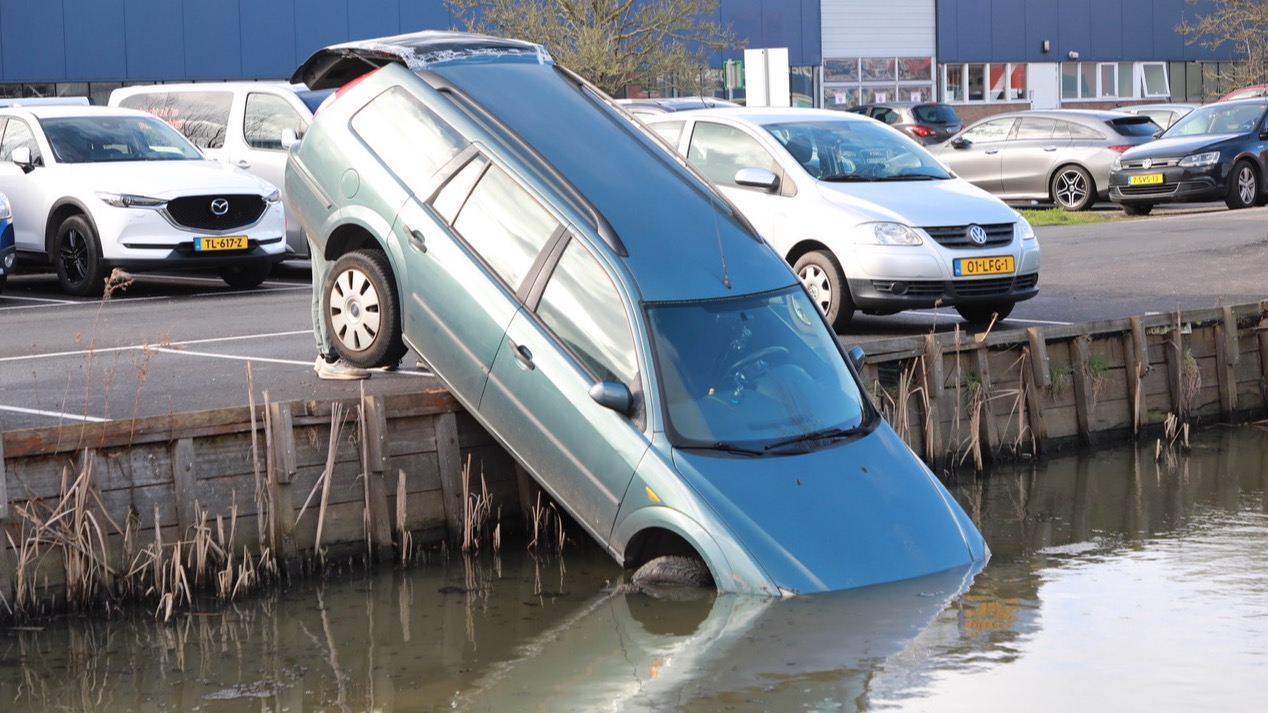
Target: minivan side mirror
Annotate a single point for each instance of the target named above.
(289, 137)
(613, 395)
(857, 357)
(22, 157)
(757, 178)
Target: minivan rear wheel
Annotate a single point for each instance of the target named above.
(824, 279)
(77, 258)
(361, 310)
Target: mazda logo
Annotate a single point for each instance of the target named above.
(219, 206)
(977, 234)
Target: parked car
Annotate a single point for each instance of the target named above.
(1164, 115)
(669, 382)
(1251, 92)
(8, 251)
(1216, 152)
(866, 217)
(94, 188)
(926, 122)
(1062, 156)
(662, 105)
(239, 123)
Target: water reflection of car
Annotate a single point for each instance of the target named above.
(866, 217)
(670, 383)
(1216, 152)
(95, 188)
(1062, 156)
(8, 251)
(925, 122)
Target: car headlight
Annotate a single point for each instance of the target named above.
(273, 197)
(889, 234)
(128, 200)
(1024, 229)
(6, 212)
(1200, 159)
(1117, 165)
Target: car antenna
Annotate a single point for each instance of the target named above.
(717, 234)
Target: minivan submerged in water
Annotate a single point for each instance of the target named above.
(607, 316)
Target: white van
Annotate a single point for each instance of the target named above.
(239, 123)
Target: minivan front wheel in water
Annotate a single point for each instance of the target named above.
(77, 258)
(1072, 188)
(361, 310)
(825, 281)
(983, 314)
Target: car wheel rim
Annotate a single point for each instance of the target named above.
(816, 282)
(74, 256)
(1071, 188)
(1246, 185)
(355, 314)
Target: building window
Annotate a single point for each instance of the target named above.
(1114, 80)
(996, 82)
(850, 81)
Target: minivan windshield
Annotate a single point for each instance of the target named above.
(1218, 119)
(754, 374)
(845, 150)
(90, 139)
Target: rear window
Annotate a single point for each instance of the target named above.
(936, 114)
(1134, 126)
(201, 116)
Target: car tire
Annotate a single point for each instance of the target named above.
(672, 571)
(982, 314)
(1073, 189)
(77, 258)
(824, 279)
(361, 310)
(244, 277)
(1243, 186)
(1137, 208)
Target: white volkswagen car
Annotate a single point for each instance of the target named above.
(95, 188)
(868, 219)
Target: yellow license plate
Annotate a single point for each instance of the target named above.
(227, 242)
(1144, 179)
(974, 266)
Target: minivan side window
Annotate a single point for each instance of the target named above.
(266, 117)
(410, 139)
(17, 135)
(505, 226)
(584, 310)
(203, 117)
(720, 151)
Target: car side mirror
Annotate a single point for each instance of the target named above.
(757, 178)
(613, 395)
(1263, 135)
(961, 143)
(289, 137)
(857, 357)
(22, 157)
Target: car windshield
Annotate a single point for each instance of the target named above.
(856, 151)
(756, 373)
(90, 139)
(1218, 119)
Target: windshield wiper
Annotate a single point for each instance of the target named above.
(910, 177)
(827, 434)
(731, 448)
(847, 178)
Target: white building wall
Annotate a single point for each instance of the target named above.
(878, 28)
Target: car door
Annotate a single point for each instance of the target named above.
(265, 116)
(1038, 143)
(720, 151)
(575, 333)
(25, 191)
(977, 154)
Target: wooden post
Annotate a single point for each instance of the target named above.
(986, 430)
(1039, 357)
(8, 563)
(1262, 329)
(374, 418)
(281, 468)
(932, 375)
(283, 441)
(1034, 402)
(183, 477)
(449, 458)
(1175, 369)
(1136, 353)
(1226, 358)
(1083, 403)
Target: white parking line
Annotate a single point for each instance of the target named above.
(53, 414)
(107, 350)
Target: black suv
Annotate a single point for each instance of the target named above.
(926, 122)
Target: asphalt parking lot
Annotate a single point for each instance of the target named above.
(180, 343)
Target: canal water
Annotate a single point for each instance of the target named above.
(1125, 579)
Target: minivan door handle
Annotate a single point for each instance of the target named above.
(244, 164)
(522, 355)
(416, 239)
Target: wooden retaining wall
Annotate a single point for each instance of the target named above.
(252, 476)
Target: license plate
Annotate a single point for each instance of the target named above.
(1144, 179)
(226, 242)
(973, 266)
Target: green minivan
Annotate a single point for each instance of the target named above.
(607, 316)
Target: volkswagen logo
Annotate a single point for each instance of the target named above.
(219, 206)
(1147, 163)
(977, 234)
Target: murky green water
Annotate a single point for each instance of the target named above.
(1117, 583)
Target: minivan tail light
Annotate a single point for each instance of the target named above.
(1121, 148)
